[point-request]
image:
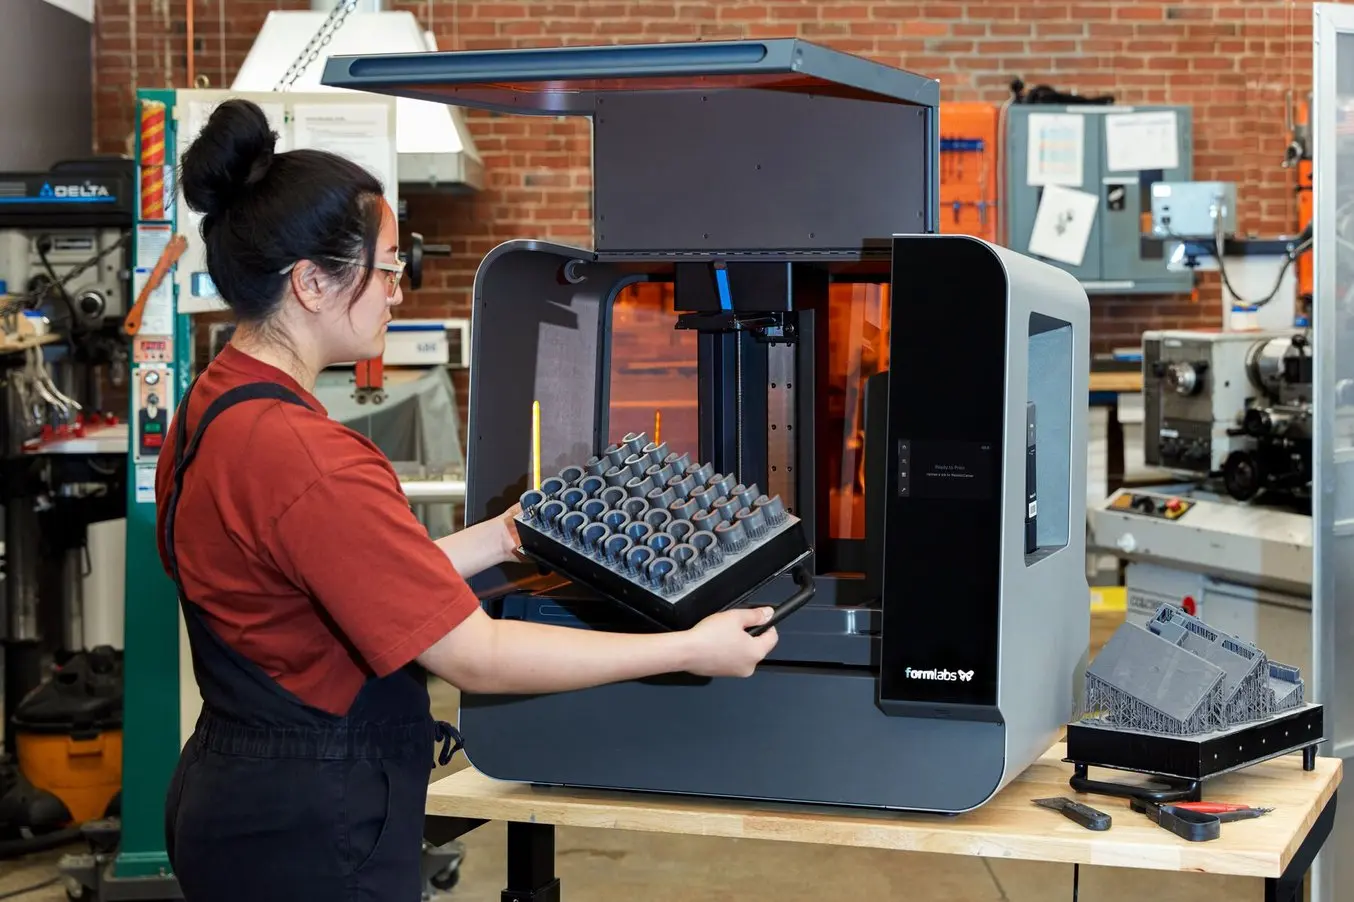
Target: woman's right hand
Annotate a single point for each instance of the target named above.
(720, 645)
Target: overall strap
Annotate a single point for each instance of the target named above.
(253, 391)
(185, 449)
(278, 724)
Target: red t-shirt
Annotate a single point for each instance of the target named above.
(295, 539)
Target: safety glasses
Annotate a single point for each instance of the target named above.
(393, 272)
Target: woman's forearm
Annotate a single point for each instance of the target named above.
(488, 656)
(514, 657)
(477, 548)
(533, 657)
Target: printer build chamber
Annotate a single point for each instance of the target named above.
(766, 278)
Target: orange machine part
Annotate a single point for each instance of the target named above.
(84, 772)
(968, 169)
(1304, 220)
(1304, 189)
(152, 159)
(168, 257)
(370, 374)
(152, 133)
(152, 193)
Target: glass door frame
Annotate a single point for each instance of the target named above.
(1332, 678)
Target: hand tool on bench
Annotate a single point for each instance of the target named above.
(1226, 811)
(1076, 812)
(1191, 823)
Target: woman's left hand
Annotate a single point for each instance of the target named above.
(488, 543)
(512, 542)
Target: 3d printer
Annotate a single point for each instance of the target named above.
(767, 278)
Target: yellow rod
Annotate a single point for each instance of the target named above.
(536, 445)
(657, 426)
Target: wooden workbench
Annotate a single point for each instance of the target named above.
(1278, 847)
(1116, 382)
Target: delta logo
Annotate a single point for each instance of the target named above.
(946, 676)
(87, 191)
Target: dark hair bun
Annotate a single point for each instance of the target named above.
(232, 153)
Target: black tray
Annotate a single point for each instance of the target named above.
(1180, 764)
(723, 590)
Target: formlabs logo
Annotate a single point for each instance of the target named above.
(962, 676)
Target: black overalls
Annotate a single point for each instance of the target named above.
(274, 799)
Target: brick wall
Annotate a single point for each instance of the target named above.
(1232, 60)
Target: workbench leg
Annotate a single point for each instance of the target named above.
(1288, 888)
(1116, 466)
(531, 864)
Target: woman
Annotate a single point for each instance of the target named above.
(313, 597)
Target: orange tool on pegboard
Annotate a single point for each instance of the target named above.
(152, 159)
(1299, 154)
(168, 257)
(969, 157)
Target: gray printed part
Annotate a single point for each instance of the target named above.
(1181, 677)
(642, 533)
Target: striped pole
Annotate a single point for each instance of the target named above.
(152, 159)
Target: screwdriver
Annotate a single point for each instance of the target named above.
(1084, 815)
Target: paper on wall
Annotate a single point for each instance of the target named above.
(1062, 225)
(1056, 146)
(1136, 141)
(151, 241)
(360, 132)
(157, 317)
(145, 483)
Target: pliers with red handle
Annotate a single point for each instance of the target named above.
(1193, 823)
(1221, 808)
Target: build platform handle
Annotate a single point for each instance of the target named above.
(804, 579)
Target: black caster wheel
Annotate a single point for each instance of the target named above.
(446, 880)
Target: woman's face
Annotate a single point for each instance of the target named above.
(358, 332)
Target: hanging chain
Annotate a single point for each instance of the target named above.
(317, 43)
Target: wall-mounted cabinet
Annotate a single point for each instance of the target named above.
(1095, 164)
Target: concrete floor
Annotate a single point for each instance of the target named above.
(613, 866)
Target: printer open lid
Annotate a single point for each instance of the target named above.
(436, 150)
(572, 80)
(692, 130)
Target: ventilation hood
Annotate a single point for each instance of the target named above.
(436, 151)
